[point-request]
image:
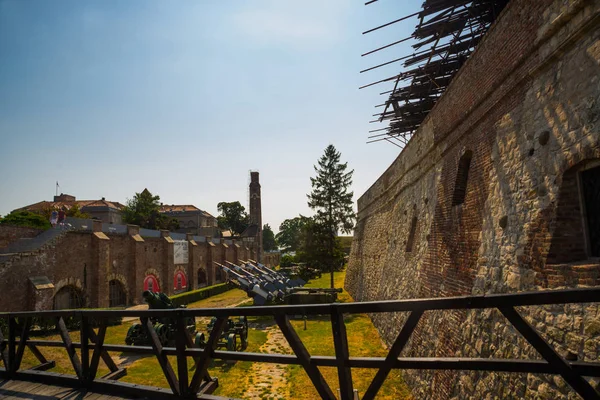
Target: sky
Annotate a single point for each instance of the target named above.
(185, 98)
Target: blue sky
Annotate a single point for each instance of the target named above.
(185, 97)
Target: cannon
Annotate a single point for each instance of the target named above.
(229, 337)
(267, 286)
(164, 327)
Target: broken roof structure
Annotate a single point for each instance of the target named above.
(446, 34)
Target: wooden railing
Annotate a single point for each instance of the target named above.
(201, 384)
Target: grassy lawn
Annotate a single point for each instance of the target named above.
(363, 341)
(234, 378)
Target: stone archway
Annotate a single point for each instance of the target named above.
(116, 294)
(68, 297)
(179, 280)
(151, 282)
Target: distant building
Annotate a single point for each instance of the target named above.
(191, 219)
(104, 210)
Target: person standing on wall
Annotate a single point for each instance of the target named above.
(54, 218)
(61, 217)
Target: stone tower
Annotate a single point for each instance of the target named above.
(255, 211)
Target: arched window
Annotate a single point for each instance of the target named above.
(151, 283)
(180, 281)
(191, 224)
(462, 176)
(68, 297)
(116, 294)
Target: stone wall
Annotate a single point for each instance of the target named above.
(88, 261)
(10, 234)
(521, 119)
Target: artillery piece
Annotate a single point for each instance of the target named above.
(229, 337)
(164, 327)
(267, 286)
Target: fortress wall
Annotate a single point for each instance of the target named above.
(526, 106)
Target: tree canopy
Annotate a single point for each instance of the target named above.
(144, 210)
(290, 230)
(269, 243)
(332, 201)
(25, 218)
(232, 216)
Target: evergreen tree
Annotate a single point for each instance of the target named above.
(332, 200)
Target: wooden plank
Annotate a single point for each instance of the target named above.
(84, 330)
(115, 375)
(576, 381)
(393, 354)
(37, 353)
(104, 354)
(340, 342)
(162, 358)
(98, 341)
(192, 345)
(44, 367)
(22, 342)
(66, 338)
(3, 352)
(304, 357)
(204, 359)
(12, 331)
(180, 345)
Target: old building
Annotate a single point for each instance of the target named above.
(105, 211)
(191, 219)
(496, 191)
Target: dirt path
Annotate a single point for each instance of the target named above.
(269, 381)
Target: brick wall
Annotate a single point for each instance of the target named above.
(88, 261)
(526, 107)
(9, 234)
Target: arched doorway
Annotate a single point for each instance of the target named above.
(116, 294)
(151, 283)
(68, 297)
(202, 281)
(179, 281)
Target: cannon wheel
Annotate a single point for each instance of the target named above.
(231, 342)
(161, 332)
(200, 340)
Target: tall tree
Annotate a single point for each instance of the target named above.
(269, 243)
(314, 249)
(144, 210)
(332, 200)
(290, 230)
(233, 217)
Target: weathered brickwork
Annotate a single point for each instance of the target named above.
(91, 262)
(525, 109)
(9, 234)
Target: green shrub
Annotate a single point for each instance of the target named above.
(200, 294)
(287, 260)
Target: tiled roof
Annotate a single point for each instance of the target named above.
(57, 205)
(168, 208)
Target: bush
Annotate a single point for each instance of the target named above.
(200, 294)
(286, 261)
(26, 218)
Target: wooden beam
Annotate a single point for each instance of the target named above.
(340, 342)
(104, 354)
(84, 330)
(26, 325)
(575, 380)
(393, 354)
(98, 343)
(180, 345)
(66, 338)
(162, 358)
(304, 357)
(204, 359)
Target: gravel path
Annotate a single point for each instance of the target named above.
(269, 381)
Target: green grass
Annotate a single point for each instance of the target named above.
(363, 341)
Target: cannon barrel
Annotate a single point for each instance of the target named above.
(253, 289)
